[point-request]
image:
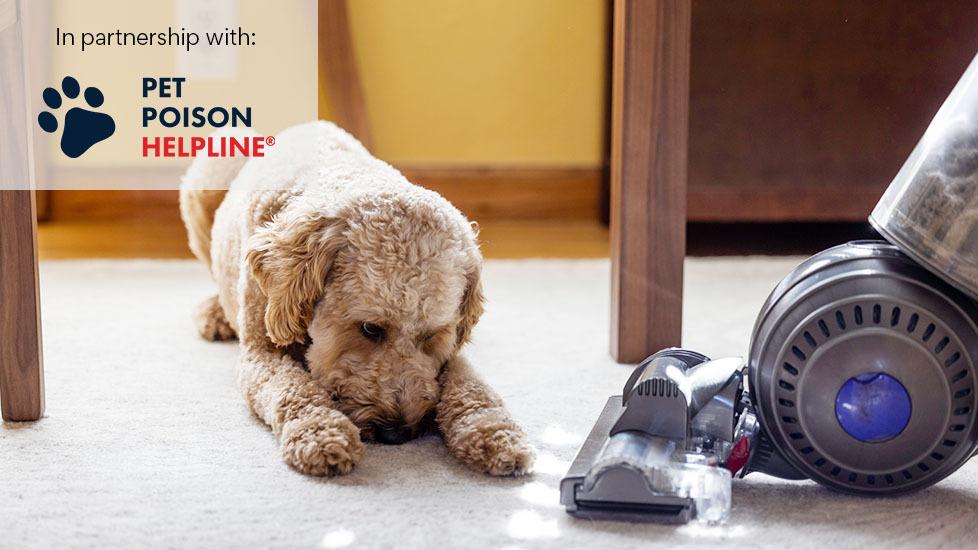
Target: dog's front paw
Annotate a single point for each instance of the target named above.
(321, 444)
(491, 442)
(211, 322)
(507, 453)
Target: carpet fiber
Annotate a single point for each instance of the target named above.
(147, 442)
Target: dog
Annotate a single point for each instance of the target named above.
(351, 292)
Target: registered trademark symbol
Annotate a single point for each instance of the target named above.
(270, 140)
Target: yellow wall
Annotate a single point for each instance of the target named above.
(502, 82)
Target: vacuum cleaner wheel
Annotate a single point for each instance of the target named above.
(862, 371)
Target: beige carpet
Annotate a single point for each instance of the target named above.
(147, 443)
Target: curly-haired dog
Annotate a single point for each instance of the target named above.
(352, 292)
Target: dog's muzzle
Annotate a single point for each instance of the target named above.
(393, 435)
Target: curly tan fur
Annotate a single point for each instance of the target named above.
(478, 430)
(211, 322)
(308, 245)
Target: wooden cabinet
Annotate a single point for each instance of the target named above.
(803, 111)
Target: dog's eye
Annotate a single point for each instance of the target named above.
(372, 332)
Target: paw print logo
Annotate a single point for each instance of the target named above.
(82, 127)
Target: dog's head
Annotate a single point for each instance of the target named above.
(384, 295)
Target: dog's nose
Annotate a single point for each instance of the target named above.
(393, 435)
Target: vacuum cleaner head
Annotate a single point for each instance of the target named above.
(861, 376)
(656, 450)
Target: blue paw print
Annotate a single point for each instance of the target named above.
(82, 128)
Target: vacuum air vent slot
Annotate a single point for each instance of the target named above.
(810, 339)
(895, 317)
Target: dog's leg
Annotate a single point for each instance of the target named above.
(315, 438)
(211, 321)
(476, 426)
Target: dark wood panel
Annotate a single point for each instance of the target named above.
(792, 98)
(650, 92)
(780, 203)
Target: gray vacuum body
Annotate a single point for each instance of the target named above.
(862, 372)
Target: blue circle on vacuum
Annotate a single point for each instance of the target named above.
(873, 407)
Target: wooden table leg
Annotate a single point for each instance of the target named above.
(650, 125)
(21, 378)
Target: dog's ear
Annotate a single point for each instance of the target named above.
(472, 304)
(289, 257)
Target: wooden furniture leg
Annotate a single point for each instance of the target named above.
(338, 70)
(650, 123)
(21, 378)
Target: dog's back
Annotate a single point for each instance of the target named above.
(313, 167)
(202, 191)
(208, 180)
(317, 159)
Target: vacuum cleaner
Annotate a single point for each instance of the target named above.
(860, 375)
